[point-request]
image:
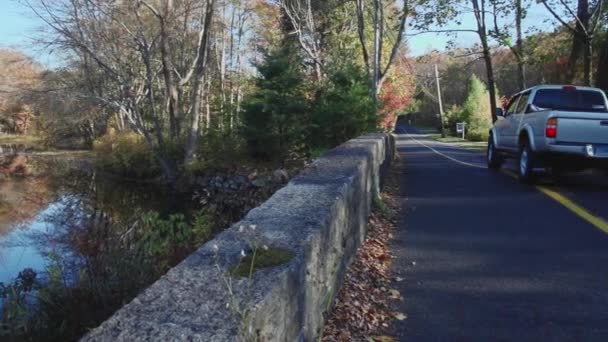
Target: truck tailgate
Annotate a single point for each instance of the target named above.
(587, 128)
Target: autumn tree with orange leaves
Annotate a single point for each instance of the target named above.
(19, 76)
(397, 93)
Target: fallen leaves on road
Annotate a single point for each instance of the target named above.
(400, 316)
(361, 309)
(381, 339)
(394, 294)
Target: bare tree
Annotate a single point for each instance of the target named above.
(302, 19)
(378, 72)
(502, 9)
(241, 13)
(145, 58)
(442, 12)
(479, 10)
(601, 75)
(582, 23)
(199, 79)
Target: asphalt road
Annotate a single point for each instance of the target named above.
(485, 258)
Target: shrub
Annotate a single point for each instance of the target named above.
(161, 237)
(476, 111)
(65, 300)
(344, 109)
(451, 117)
(218, 150)
(125, 154)
(170, 239)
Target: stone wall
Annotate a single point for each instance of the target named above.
(321, 216)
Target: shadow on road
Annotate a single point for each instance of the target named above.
(485, 258)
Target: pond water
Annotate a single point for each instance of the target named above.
(61, 209)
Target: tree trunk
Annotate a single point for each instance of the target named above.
(581, 41)
(171, 90)
(588, 61)
(601, 76)
(487, 56)
(120, 121)
(584, 16)
(196, 87)
(362, 37)
(222, 69)
(575, 52)
(167, 167)
(521, 73)
(235, 7)
(207, 98)
(520, 55)
(377, 48)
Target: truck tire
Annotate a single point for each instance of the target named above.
(525, 163)
(493, 158)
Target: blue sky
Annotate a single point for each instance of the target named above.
(18, 27)
(15, 26)
(420, 44)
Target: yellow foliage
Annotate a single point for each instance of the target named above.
(125, 153)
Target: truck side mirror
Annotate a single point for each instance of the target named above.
(500, 112)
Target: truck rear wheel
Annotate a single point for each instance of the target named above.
(493, 157)
(526, 162)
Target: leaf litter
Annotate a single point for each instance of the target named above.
(362, 309)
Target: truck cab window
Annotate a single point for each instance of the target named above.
(512, 106)
(523, 103)
(573, 100)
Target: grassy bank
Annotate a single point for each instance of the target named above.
(14, 139)
(479, 146)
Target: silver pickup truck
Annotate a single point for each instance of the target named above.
(561, 128)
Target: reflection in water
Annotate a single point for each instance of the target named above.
(82, 243)
(70, 211)
(22, 248)
(69, 256)
(8, 149)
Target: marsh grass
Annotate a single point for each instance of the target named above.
(262, 258)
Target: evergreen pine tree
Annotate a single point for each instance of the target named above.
(274, 117)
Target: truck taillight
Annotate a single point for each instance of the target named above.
(551, 128)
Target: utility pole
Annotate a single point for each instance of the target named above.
(439, 100)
